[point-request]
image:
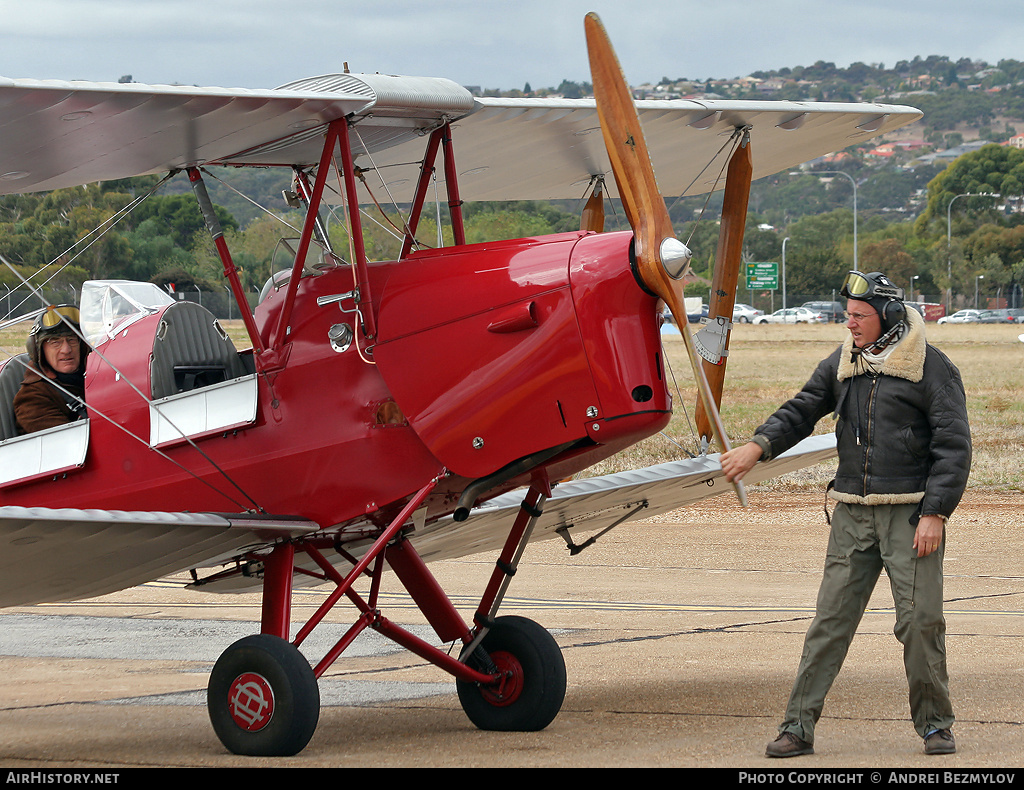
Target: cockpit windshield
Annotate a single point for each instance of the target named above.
(108, 306)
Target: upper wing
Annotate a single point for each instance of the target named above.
(56, 134)
(540, 149)
(63, 554)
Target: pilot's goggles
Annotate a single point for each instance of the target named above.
(861, 287)
(55, 316)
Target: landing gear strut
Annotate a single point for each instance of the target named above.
(263, 698)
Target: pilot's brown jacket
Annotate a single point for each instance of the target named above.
(39, 405)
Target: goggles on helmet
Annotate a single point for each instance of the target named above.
(52, 319)
(865, 287)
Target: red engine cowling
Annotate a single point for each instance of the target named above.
(499, 351)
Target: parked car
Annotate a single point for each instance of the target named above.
(744, 313)
(792, 315)
(1001, 316)
(833, 311)
(695, 317)
(1004, 315)
(961, 317)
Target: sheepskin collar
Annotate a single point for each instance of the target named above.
(905, 361)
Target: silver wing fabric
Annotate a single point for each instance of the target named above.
(57, 134)
(49, 554)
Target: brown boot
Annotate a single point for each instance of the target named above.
(940, 742)
(788, 745)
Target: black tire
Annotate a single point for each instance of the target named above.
(534, 688)
(263, 698)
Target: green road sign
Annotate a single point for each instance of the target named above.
(762, 276)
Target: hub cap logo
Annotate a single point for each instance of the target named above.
(251, 700)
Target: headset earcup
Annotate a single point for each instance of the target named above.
(893, 313)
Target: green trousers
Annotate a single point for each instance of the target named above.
(865, 539)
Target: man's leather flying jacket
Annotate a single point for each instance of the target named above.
(902, 432)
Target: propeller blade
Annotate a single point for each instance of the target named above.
(662, 260)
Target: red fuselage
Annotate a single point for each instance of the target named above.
(491, 360)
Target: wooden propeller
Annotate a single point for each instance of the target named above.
(662, 260)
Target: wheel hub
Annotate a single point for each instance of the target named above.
(251, 701)
(509, 686)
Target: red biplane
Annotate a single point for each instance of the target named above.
(387, 413)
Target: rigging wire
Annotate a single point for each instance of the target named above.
(244, 196)
(733, 140)
(404, 230)
(679, 396)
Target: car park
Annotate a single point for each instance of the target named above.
(833, 311)
(961, 317)
(791, 315)
(744, 313)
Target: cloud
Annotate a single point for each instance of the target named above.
(491, 43)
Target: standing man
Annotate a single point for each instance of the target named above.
(904, 450)
(53, 390)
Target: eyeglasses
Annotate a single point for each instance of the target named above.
(58, 342)
(858, 317)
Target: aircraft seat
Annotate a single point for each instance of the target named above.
(191, 350)
(10, 380)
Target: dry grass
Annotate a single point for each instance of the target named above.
(768, 364)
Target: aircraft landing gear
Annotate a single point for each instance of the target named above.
(263, 698)
(532, 686)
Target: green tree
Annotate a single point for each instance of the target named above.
(180, 216)
(992, 169)
(820, 252)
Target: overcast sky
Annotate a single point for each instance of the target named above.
(491, 43)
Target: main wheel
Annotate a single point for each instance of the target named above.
(263, 698)
(532, 687)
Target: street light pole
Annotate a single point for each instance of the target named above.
(784, 272)
(979, 277)
(949, 241)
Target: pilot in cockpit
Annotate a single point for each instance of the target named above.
(53, 390)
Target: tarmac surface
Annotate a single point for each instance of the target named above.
(681, 637)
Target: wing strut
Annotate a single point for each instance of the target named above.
(230, 270)
(726, 277)
(426, 172)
